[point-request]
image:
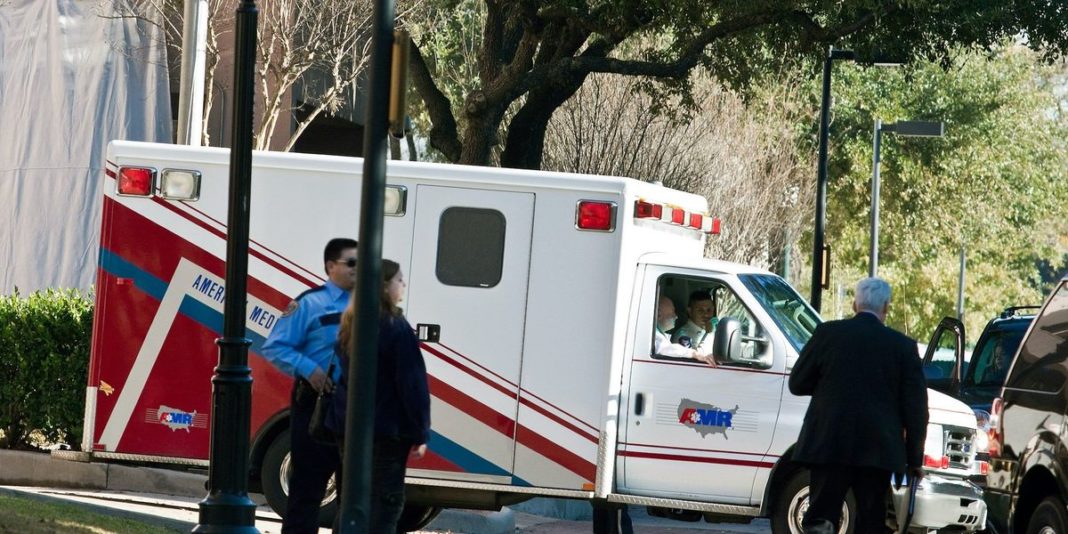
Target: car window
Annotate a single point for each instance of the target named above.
(1042, 359)
(699, 305)
(991, 363)
(795, 318)
(944, 358)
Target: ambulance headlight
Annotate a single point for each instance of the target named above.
(180, 184)
(395, 200)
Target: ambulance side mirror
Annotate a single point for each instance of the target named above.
(727, 345)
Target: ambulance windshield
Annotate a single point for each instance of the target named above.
(789, 311)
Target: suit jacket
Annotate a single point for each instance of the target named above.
(869, 396)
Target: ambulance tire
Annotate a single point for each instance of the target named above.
(272, 474)
(791, 503)
(416, 516)
(1050, 516)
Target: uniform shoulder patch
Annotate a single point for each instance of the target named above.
(293, 305)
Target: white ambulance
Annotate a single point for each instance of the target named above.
(536, 294)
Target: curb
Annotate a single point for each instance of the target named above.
(502, 522)
(164, 522)
(23, 468)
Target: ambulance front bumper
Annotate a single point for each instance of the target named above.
(942, 502)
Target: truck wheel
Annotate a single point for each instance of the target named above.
(416, 516)
(1049, 518)
(274, 478)
(792, 503)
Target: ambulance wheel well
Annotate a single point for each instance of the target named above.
(270, 430)
(780, 474)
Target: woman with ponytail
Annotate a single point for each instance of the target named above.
(402, 399)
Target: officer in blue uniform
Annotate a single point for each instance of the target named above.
(302, 346)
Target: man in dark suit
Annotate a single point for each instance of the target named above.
(868, 415)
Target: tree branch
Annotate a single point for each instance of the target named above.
(444, 135)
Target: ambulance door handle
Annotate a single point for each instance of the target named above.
(639, 404)
(428, 332)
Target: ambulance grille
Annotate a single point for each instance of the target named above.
(958, 442)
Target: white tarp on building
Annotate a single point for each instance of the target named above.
(73, 76)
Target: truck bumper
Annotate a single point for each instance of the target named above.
(942, 503)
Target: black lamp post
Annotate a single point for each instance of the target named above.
(227, 508)
(359, 418)
(821, 177)
(904, 129)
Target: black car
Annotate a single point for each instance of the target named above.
(979, 380)
(1027, 486)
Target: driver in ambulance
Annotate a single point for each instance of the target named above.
(662, 345)
(698, 331)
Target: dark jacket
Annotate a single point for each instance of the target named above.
(869, 396)
(402, 396)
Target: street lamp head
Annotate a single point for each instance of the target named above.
(836, 53)
(916, 128)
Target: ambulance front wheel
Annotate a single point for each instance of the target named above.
(416, 516)
(274, 477)
(792, 503)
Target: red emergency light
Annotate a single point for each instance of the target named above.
(596, 215)
(648, 210)
(136, 181)
(695, 220)
(678, 216)
(644, 209)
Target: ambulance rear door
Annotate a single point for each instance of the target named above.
(467, 292)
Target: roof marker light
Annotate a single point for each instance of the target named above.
(711, 225)
(678, 216)
(179, 184)
(696, 220)
(396, 200)
(648, 210)
(136, 181)
(596, 215)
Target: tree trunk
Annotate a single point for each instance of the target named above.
(525, 145)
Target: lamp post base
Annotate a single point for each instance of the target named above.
(227, 512)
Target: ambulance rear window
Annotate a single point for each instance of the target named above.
(470, 247)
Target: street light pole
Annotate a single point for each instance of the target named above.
(873, 256)
(227, 508)
(355, 499)
(903, 129)
(821, 176)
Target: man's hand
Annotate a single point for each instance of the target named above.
(418, 451)
(916, 473)
(706, 358)
(320, 381)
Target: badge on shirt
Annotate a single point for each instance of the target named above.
(293, 305)
(685, 341)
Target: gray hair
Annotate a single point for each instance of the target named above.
(872, 294)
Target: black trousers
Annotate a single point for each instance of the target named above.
(611, 519)
(311, 465)
(829, 485)
(389, 460)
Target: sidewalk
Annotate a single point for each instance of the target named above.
(170, 498)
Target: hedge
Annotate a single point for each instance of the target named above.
(44, 358)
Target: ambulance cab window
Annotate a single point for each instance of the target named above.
(470, 247)
(688, 314)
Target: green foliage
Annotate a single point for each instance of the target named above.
(994, 184)
(44, 358)
(506, 66)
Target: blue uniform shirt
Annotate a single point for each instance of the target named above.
(303, 339)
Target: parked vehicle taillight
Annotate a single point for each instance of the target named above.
(935, 462)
